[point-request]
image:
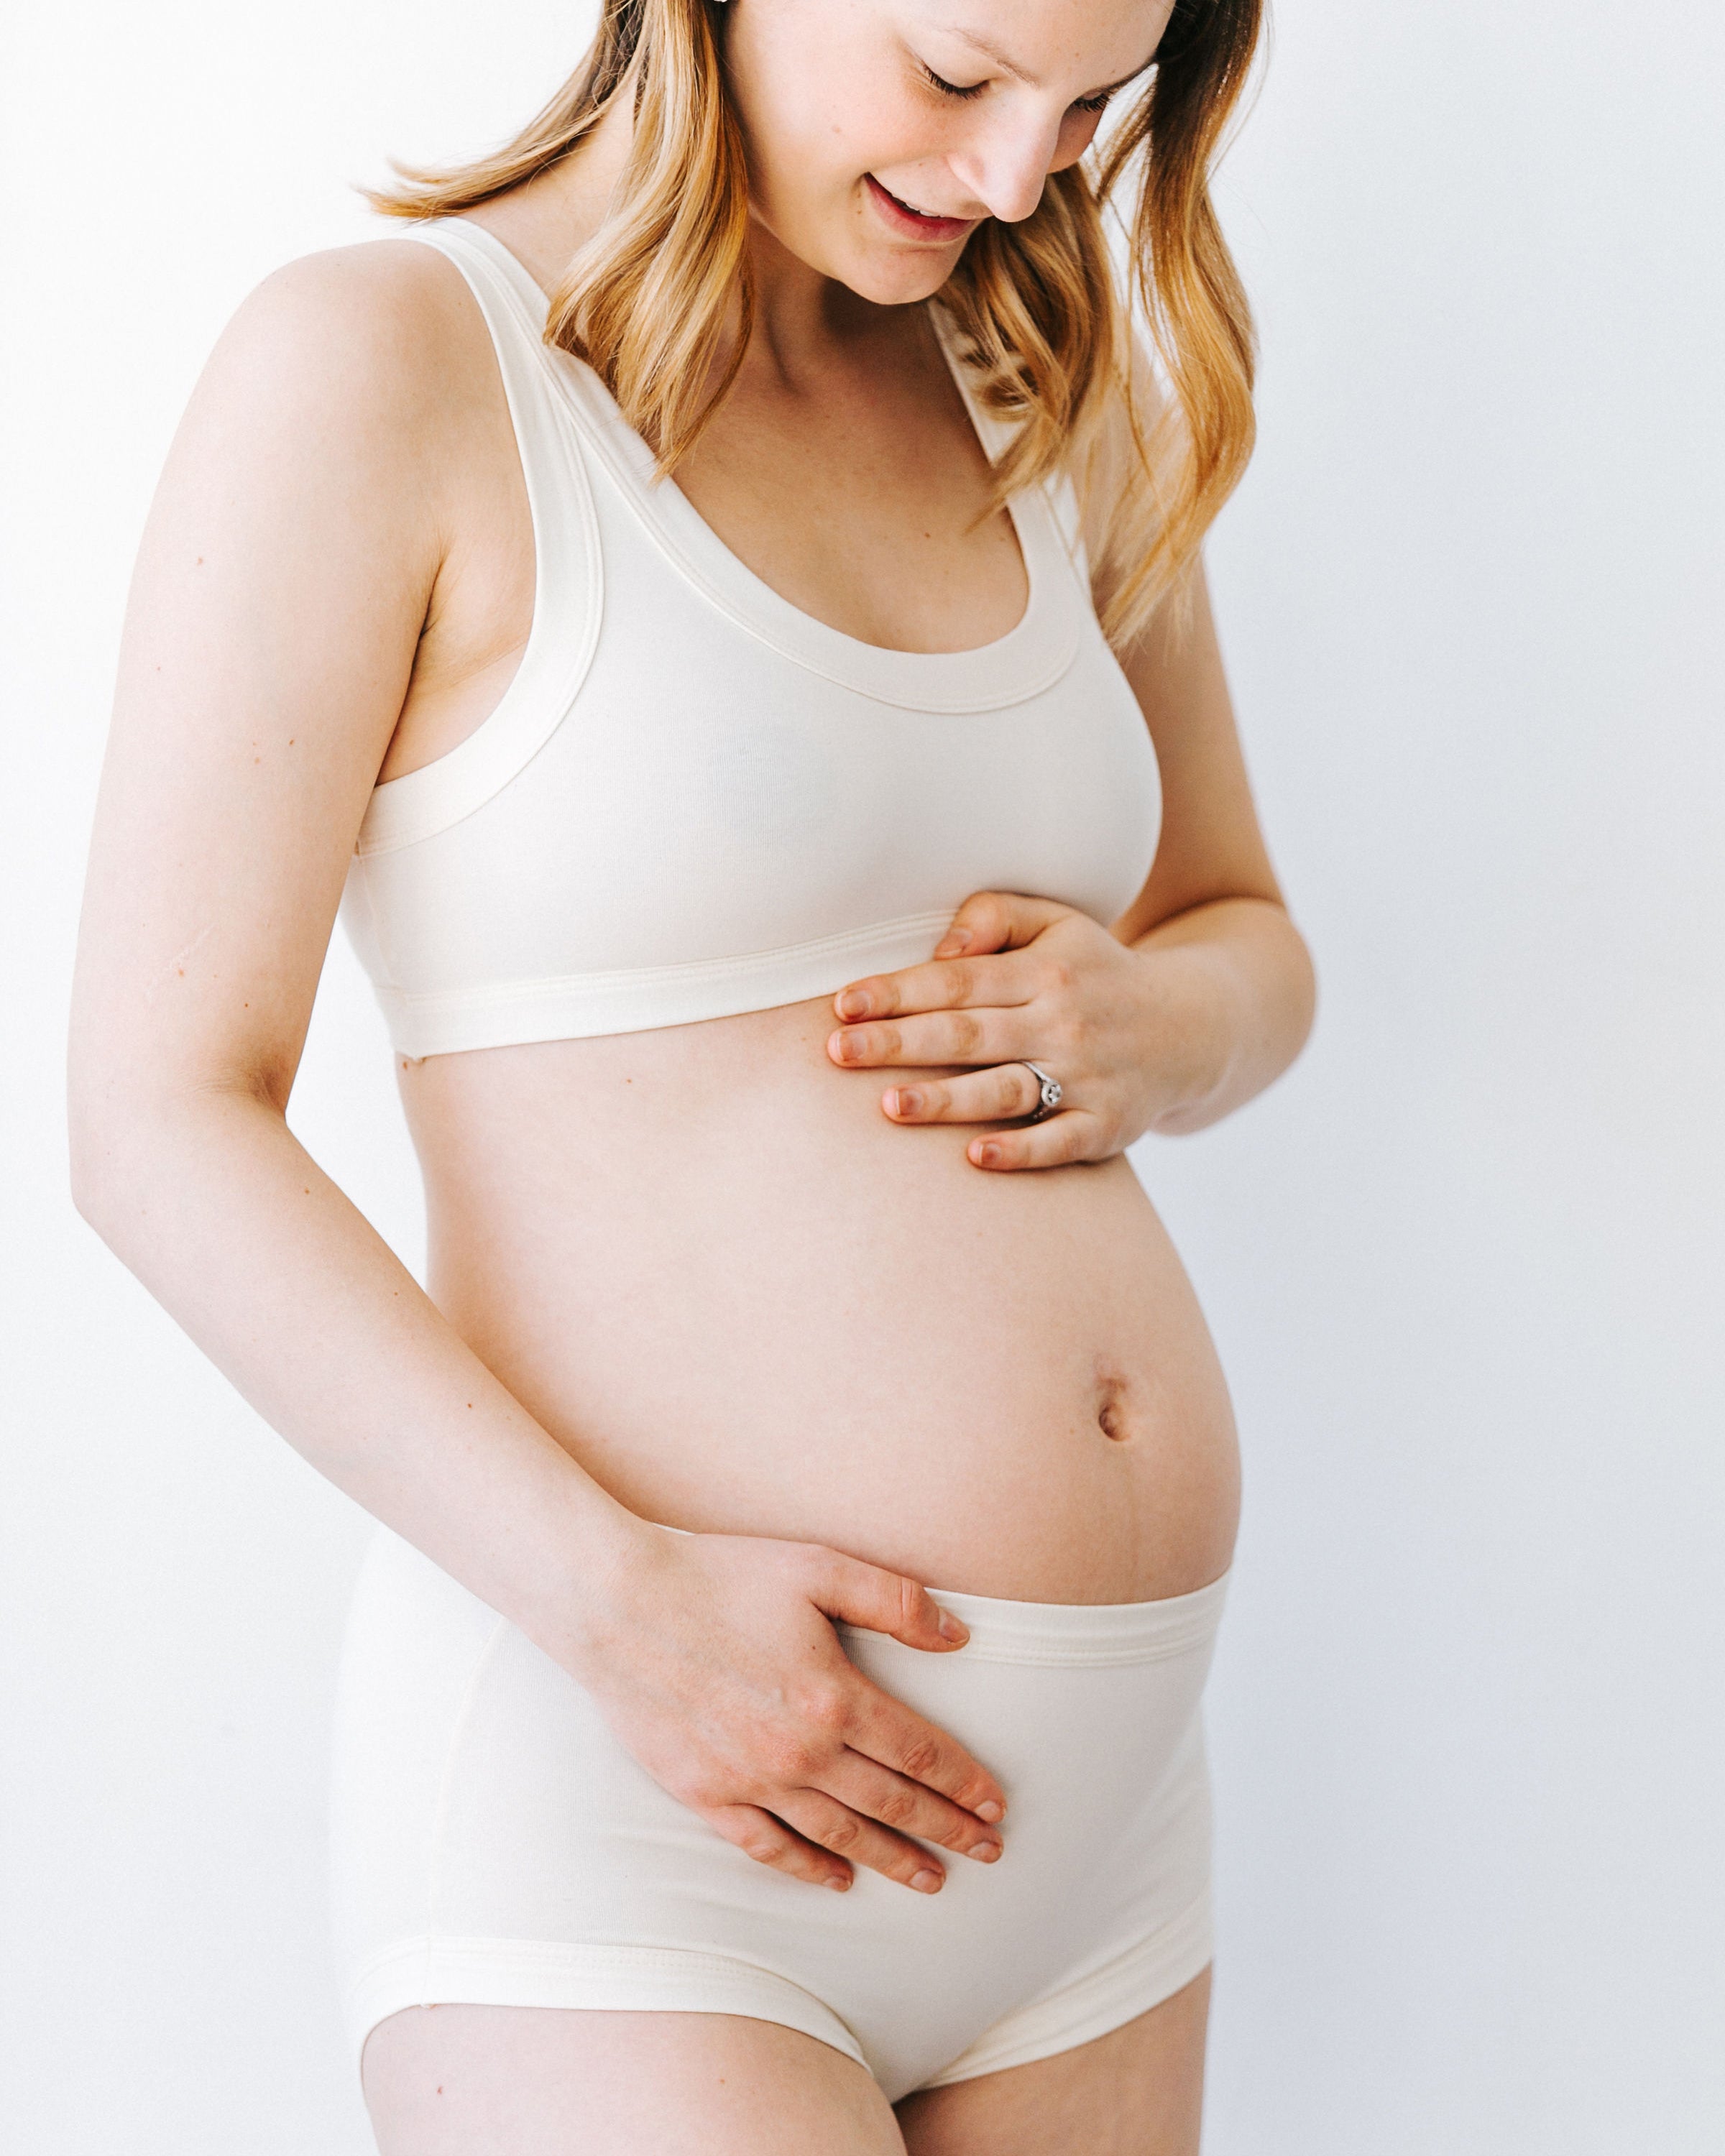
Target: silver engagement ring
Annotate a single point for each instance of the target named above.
(1049, 1098)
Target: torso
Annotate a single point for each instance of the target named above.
(699, 1253)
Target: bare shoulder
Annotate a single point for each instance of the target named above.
(362, 345)
(386, 294)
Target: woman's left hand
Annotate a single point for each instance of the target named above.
(1023, 976)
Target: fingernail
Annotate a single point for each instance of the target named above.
(926, 1882)
(989, 1810)
(984, 1852)
(907, 1101)
(952, 943)
(988, 1156)
(838, 1886)
(853, 1003)
(955, 1628)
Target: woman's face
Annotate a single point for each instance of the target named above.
(881, 132)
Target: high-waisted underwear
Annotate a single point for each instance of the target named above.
(494, 1843)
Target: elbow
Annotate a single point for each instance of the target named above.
(98, 1128)
(85, 1200)
(126, 1135)
(135, 1133)
(84, 1144)
(144, 1100)
(94, 1145)
(95, 1192)
(1260, 1017)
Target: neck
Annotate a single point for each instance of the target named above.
(803, 318)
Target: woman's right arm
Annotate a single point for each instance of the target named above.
(303, 529)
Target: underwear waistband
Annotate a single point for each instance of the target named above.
(1073, 1633)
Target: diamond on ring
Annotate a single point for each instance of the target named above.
(1048, 1095)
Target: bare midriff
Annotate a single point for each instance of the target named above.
(747, 1303)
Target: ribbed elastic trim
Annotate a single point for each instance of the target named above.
(1072, 1634)
(456, 1972)
(1082, 1634)
(1131, 1984)
(632, 999)
(568, 569)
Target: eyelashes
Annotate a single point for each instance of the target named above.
(950, 88)
(1096, 103)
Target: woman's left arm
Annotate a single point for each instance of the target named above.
(1199, 996)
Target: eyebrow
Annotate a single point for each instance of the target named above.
(990, 50)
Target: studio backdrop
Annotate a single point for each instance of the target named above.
(1464, 1263)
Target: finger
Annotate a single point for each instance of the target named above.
(853, 1592)
(996, 920)
(946, 984)
(1071, 1136)
(757, 1834)
(986, 1096)
(884, 1729)
(907, 1807)
(827, 1824)
(936, 1037)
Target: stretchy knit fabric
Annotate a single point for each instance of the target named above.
(693, 800)
(696, 800)
(496, 1844)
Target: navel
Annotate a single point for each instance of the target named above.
(1112, 1416)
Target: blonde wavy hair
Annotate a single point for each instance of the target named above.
(1043, 322)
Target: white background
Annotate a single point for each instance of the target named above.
(1464, 1264)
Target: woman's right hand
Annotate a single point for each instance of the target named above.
(716, 1663)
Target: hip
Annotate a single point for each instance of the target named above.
(494, 1843)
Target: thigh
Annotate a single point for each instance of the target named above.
(528, 2080)
(1138, 2090)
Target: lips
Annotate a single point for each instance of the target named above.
(915, 224)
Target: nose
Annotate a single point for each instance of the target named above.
(1006, 162)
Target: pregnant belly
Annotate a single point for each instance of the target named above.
(748, 1304)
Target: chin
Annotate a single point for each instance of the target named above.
(889, 279)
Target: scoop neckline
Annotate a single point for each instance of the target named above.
(1009, 668)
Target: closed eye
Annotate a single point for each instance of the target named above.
(951, 89)
(1096, 103)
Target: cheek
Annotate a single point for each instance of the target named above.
(788, 87)
(818, 109)
(1078, 130)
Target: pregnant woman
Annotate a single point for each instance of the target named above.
(714, 600)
